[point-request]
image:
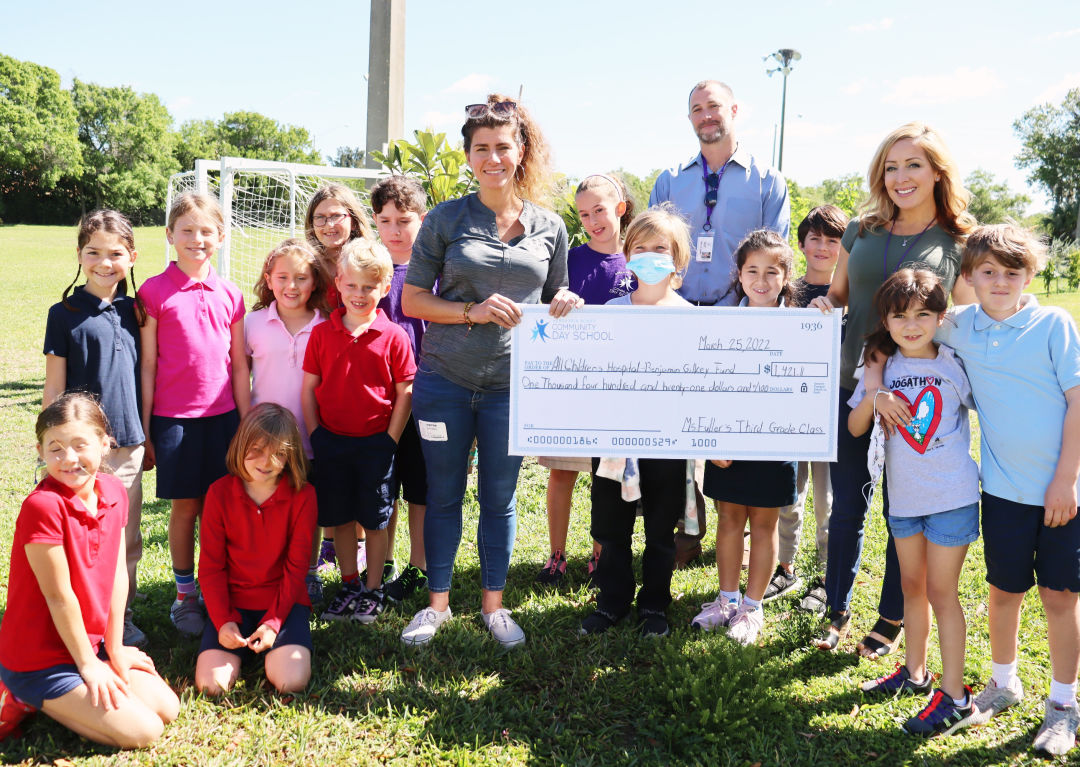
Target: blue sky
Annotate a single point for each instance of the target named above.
(607, 81)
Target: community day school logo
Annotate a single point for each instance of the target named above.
(540, 331)
(926, 413)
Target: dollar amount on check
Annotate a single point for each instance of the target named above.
(659, 382)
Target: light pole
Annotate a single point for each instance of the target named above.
(783, 57)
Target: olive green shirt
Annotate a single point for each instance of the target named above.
(869, 265)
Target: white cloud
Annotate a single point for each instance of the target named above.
(807, 129)
(872, 26)
(962, 84)
(472, 83)
(856, 87)
(1063, 33)
(1057, 91)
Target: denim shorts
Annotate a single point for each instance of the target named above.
(956, 527)
(1019, 548)
(36, 687)
(295, 629)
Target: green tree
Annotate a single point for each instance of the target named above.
(1051, 153)
(439, 167)
(244, 134)
(991, 200)
(39, 145)
(127, 148)
(347, 157)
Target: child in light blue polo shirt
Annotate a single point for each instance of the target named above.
(1023, 362)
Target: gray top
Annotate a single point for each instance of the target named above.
(868, 267)
(929, 464)
(459, 246)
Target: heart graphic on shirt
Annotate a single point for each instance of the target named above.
(925, 415)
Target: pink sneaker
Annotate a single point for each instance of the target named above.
(746, 625)
(715, 614)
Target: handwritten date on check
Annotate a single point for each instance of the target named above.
(676, 382)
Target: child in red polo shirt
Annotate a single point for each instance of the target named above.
(357, 397)
(61, 640)
(255, 543)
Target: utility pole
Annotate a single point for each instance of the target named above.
(784, 57)
(386, 77)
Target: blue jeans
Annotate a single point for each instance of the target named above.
(849, 474)
(465, 414)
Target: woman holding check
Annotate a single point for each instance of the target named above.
(488, 252)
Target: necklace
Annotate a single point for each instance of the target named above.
(903, 244)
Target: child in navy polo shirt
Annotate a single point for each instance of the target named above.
(357, 398)
(92, 345)
(1023, 362)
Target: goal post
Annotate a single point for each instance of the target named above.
(263, 202)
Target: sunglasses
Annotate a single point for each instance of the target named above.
(712, 186)
(499, 109)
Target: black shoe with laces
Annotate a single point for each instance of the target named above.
(553, 571)
(411, 580)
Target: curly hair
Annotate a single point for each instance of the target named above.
(950, 197)
(768, 241)
(297, 248)
(532, 179)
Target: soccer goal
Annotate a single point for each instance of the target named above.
(263, 202)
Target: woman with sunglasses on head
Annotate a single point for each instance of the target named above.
(488, 252)
(916, 217)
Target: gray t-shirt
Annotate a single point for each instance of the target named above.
(868, 267)
(458, 245)
(929, 464)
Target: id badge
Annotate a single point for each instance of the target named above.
(704, 247)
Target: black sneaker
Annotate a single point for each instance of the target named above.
(941, 716)
(653, 623)
(342, 606)
(411, 580)
(899, 682)
(367, 608)
(388, 572)
(598, 622)
(782, 582)
(553, 572)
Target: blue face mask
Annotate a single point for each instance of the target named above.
(651, 268)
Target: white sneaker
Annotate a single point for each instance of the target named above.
(746, 625)
(715, 614)
(1057, 736)
(423, 626)
(503, 628)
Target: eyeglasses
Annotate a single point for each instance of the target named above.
(498, 109)
(337, 218)
(712, 186)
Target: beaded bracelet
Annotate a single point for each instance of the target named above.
(468, 305)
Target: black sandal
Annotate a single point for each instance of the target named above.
(833, 632)
(875, 646)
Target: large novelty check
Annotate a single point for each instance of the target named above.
(678, 382)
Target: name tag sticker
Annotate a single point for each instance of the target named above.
(432, 431)
(704, 247)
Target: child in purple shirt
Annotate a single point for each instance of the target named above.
(597, 272)
(399, 205)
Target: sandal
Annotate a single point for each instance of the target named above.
(872, 646)
(834, 631)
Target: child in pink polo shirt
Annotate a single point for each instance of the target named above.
(195, 383)
(290, 301)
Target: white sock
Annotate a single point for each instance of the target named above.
(753, 604)
(728, 597)
(961, 702)
(1063, 694)
(1004, 674)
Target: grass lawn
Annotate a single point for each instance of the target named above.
(562, 699)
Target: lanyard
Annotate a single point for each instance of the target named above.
(705, 178)
(888, 240)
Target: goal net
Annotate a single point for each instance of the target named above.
(263, 203)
